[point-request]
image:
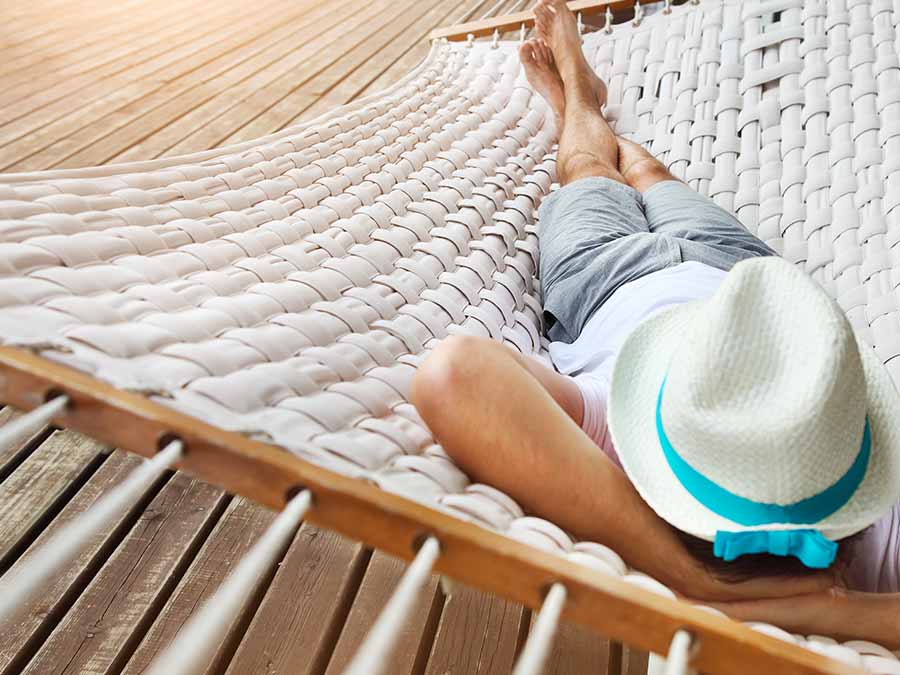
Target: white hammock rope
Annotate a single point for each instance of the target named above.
(537, 647)
(679, 654)
(195, 645)
(372, 656)
(24, 580)
(15, 433)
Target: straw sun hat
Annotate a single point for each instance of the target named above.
(756, 420)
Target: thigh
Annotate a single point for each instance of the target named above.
(582, 225)
(674, 209)
(572, 298)
(585, 216)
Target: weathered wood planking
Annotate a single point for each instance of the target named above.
(207, 126)
(240, 526)
(478, 634)
(342, 82)
(111, 616)
(24, 633)
(13, 455)
(320, 574)
(67, 96)
(576, 650)
(59, 467)
(381, 578)
(229, 52)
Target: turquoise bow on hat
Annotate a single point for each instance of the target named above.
(810, 546)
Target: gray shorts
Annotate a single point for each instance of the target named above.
(597, 234)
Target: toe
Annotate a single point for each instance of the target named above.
(527, 53)
(546, 54)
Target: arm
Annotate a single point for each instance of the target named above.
(846, 615)
(500, 423)
(561, 388)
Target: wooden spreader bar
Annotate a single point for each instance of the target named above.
(474, 555)
(509, 22)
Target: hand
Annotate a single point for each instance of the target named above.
(835, 612)
(694, 581)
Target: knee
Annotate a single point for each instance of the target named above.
(584, 164)
(646, 172)
(449, 374)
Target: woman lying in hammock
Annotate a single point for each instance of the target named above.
(749, 448)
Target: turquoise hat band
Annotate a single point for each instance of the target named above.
(752, 513)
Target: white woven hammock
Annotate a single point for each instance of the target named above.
(287, 288)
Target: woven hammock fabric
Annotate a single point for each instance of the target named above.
(288, 288)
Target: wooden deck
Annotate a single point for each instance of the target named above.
(85, 82)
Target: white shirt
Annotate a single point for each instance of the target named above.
(590, 359)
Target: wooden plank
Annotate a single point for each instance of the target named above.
(284, 110)
(289, 97)
(59, 465)
(417, 633)
(634, 661)
(414, 55)
(241, 526)
(77, 54)
(12, 456)
(26, 631)
(509, 22)
(83, 138)
(575, 651)
(48, 105)
(478, 634)
(394, 45)
(486, 559)
(102, 628)
(206, 125)
(51, 21)
(104, 100)
(308, 600)
(356, 47)
(102, 138)
(73, 42)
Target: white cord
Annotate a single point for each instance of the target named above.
(537, 647)
(679, 653)
(372, 656)
(23, 580)
(638, 13)
(194, 646)
(17, 431)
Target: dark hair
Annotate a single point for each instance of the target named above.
(760, 564)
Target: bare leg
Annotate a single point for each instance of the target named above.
(587, 145)
(641, 169)
(543, 76)
(537, 60)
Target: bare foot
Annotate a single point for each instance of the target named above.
(557, 27)
(537, 59)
